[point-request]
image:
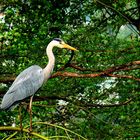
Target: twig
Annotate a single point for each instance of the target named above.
(9, 128)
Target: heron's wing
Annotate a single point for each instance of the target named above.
(24, 74)
(25, 85)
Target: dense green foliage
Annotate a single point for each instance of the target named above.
(102, 104)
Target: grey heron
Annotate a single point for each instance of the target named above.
(31, 79)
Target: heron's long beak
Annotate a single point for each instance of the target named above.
(69, 47)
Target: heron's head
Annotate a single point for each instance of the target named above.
(61, 44)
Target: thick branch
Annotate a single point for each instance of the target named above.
(107, 72)
(121, 67)
(75, 75)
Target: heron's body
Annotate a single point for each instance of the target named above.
(25, 85)
(32, 78)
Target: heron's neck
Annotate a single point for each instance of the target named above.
(51, 61)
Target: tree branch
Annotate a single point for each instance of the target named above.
(67, 64)
(106, 105)
(9, 128)
(124, 76)
(77, 102)
(105, 73)
(126, 17)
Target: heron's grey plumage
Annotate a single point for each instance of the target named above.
(25, 85)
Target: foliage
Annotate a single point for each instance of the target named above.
(98, 97)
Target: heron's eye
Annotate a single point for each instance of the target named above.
(62, 43)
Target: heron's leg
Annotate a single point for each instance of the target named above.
(20, 116)
(30, 111)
